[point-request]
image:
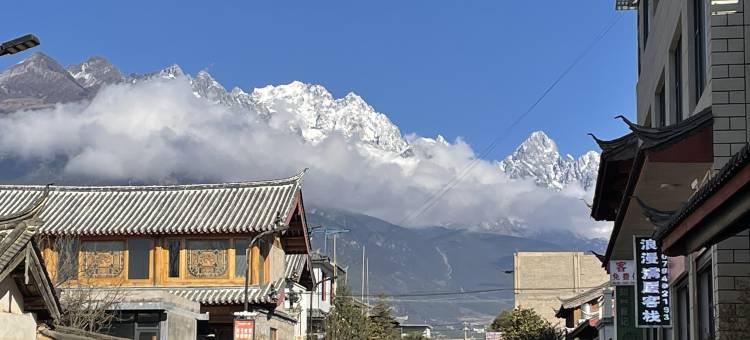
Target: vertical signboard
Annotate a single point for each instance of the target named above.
(652, 285)
(244, 329)
(625, 314)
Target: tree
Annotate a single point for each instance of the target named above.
(524, 324)
(383, 322)
(85, 306)
(347, 319)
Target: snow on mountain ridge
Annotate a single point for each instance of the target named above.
(538, 158)
(308, 110)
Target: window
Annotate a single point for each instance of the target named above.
(240, 257)
(661, 110)
(273, 335)
(207, 258)
(139, 251)
(67, 259)
(323, 283)
(700, 23)
(677, 84)
(102, 259)
(646, 22)
(173, 251)
(682, 326)
(705, 301)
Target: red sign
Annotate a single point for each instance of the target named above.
(244, 329)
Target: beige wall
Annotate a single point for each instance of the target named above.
(541, 278)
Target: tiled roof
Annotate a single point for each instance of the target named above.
(580, 299)
(172, 209)
(230, 295)
(294, 265)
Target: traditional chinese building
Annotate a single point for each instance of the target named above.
(180, 253)
(586, 314)
(659, 183)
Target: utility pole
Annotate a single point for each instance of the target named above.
(362, 291)
(466, 331)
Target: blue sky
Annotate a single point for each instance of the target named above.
(456, 68)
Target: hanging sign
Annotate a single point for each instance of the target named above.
(244, 329)
(622, 272)
(652, 285)
(624, 318)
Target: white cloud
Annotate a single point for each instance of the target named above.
(159, 132)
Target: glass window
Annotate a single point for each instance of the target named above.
(240, 257)
(700, 36)
(662, 109)
(173, 251)
(646, 22)
(207, 258)
(67, 259)
(102, 259)
(705, 304)
(677, 84)
(139, 251)
(683, 312)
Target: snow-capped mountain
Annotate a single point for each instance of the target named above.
(309, 110)
(36, 82)
(538, 158)
(95, 72)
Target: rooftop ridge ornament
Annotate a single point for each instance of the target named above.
(657, 217)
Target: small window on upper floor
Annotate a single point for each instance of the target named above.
(139, 258)
(646, 22)
(701, 25)
(677, 80)
(661, 109)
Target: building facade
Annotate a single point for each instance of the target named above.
(540, 278)
(177, 254)
(687, 142)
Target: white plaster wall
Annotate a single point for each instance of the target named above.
(11, 300)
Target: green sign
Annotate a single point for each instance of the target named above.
(625, 314)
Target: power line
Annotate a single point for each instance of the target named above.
(466, 292)
(432, 201)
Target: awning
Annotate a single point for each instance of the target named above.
(656, 165)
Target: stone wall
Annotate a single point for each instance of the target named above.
(263, 324)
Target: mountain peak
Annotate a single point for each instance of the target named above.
(538, 158)
(95, 72)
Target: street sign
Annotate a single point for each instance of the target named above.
(622, 272)
(652, 285)
(244, 329)
(625, 319)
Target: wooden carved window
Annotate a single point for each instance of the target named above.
(102, 259)
(207, 258)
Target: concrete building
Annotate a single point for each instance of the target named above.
(179, 254)
(540, 278)
(679, 169)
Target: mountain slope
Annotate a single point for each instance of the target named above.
(36, 82)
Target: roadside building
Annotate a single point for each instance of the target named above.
(540, 278)
(299, 284)
(674, 185)
(588, 315)
(178, 253)
(319, 301)
(416, 329)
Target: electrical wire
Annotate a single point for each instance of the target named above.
(432, 201)
(465, 292)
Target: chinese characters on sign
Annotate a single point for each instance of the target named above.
(622, 273)
(652, 284)
(244, 329)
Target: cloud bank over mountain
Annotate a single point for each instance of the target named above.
(168, 127)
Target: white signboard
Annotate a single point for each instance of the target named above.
(622, 272)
